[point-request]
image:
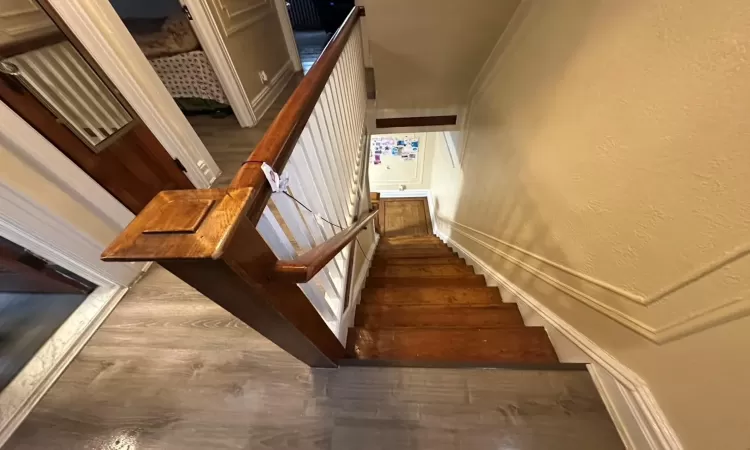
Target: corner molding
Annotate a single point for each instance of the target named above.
(20, 397)
(685, 324)
(271, 91)
(646, 422)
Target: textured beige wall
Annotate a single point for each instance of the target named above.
(607, 172)
(394, 171)
(426, 53)
(257, 45)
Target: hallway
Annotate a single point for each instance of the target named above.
(169, 369)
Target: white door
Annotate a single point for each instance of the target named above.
(245, 42)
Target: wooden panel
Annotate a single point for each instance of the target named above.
(428, 121)
(21, 20)
(509, 345)
(405, 217)
(432, 296)
(385, 316)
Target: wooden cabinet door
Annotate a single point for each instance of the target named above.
(46, 80)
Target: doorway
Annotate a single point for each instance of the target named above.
(51, 82)
(313, 23)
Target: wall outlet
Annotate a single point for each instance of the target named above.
(263, 77)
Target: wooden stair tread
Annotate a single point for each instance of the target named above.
(522, 344)
(421, 252)
(389, 316)
(454, 259)
(391, 281)
(435, 270)
(434, 295)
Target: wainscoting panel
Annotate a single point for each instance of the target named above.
(678, 309)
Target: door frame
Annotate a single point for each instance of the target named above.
(102, 33)
(210, 36)
(34, 226)
(286, 28)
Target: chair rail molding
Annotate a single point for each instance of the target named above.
(662, 316)
(634, 410)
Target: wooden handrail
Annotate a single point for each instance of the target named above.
(277, 144)
(304, 268)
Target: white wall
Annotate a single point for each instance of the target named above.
(607, 173)
(394, 171)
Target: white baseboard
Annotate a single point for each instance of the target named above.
(32, 382)
(637, 416)
(267, 96)
(347, 319)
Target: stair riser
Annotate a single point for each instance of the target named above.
(468, 281)
(421, 271)
(432, 296)
(438, 317)
(414, 253)
(522, 345)
(378, 262)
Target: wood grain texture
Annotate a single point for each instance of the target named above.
(440, 260)
(427, 270)
(416, 313)
(493, 345)
(458, 281)
(405, 217)
(473, 316)
(305, 267)
(446, 296)
(171, 370)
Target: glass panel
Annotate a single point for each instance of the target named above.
(54, 71)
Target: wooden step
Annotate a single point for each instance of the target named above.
(409, 240)
(443, 270)
(480, 345)
(388, 281)
(421, 252)
(377, 262)
(445, 296)
(386, 316)
(412, 247)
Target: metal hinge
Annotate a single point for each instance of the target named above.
(187, 12)
(180, 165)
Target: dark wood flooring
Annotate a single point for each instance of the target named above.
(169, 369)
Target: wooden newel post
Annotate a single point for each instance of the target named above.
(206, 239)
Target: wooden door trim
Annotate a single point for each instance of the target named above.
(99, 29)
(32, 226)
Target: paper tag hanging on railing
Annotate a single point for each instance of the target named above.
(278, 183)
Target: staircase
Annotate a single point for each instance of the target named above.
(423, 305)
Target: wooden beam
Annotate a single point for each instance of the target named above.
(427, 121)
